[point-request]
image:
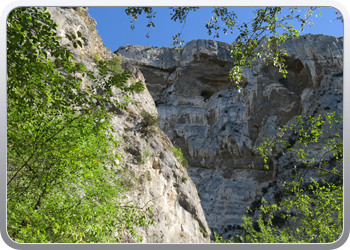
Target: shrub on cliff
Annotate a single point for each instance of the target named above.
(179, 155)
(114, 66)
(150, 123)
(150, 120)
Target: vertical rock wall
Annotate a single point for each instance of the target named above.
(148, 163)
(216, 126)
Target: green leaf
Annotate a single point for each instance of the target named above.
(64, 145)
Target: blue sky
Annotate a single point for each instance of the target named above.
(113, 25)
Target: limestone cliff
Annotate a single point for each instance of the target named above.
(217, 126)
(214, 124)
(148, 162)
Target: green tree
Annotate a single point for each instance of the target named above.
(60, 152)
(311, 209)
(271, 23)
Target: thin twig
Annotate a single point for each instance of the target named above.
(329, 172)
(59, 131)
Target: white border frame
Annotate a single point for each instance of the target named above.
(3, 152)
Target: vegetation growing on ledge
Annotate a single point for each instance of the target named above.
(150, 123)
(178, 153)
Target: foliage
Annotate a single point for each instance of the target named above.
(202, 230)
(178, 153)
(126, 176)
(135, 11)
(269, 23)
(219, 239)
(339, 17)
(114, 66)
(311, 210)
(80, 10)
(143, 157)
(97, 57)
(180, 14)
(148, 175)
(59, 147)
(150, 120)
(305, 133)
(184, 179)
(314, 213)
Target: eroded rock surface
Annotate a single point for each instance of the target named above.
(217, 127)
(148, 162)
(214, 124)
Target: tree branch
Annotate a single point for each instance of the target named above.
(329, 172)
(59, 131)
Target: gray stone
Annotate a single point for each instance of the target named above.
(217, 127)
(158, 181)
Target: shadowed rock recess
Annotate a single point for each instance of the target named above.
(215, 126)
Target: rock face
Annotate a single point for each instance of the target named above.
(217, 127)
(148, 162)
